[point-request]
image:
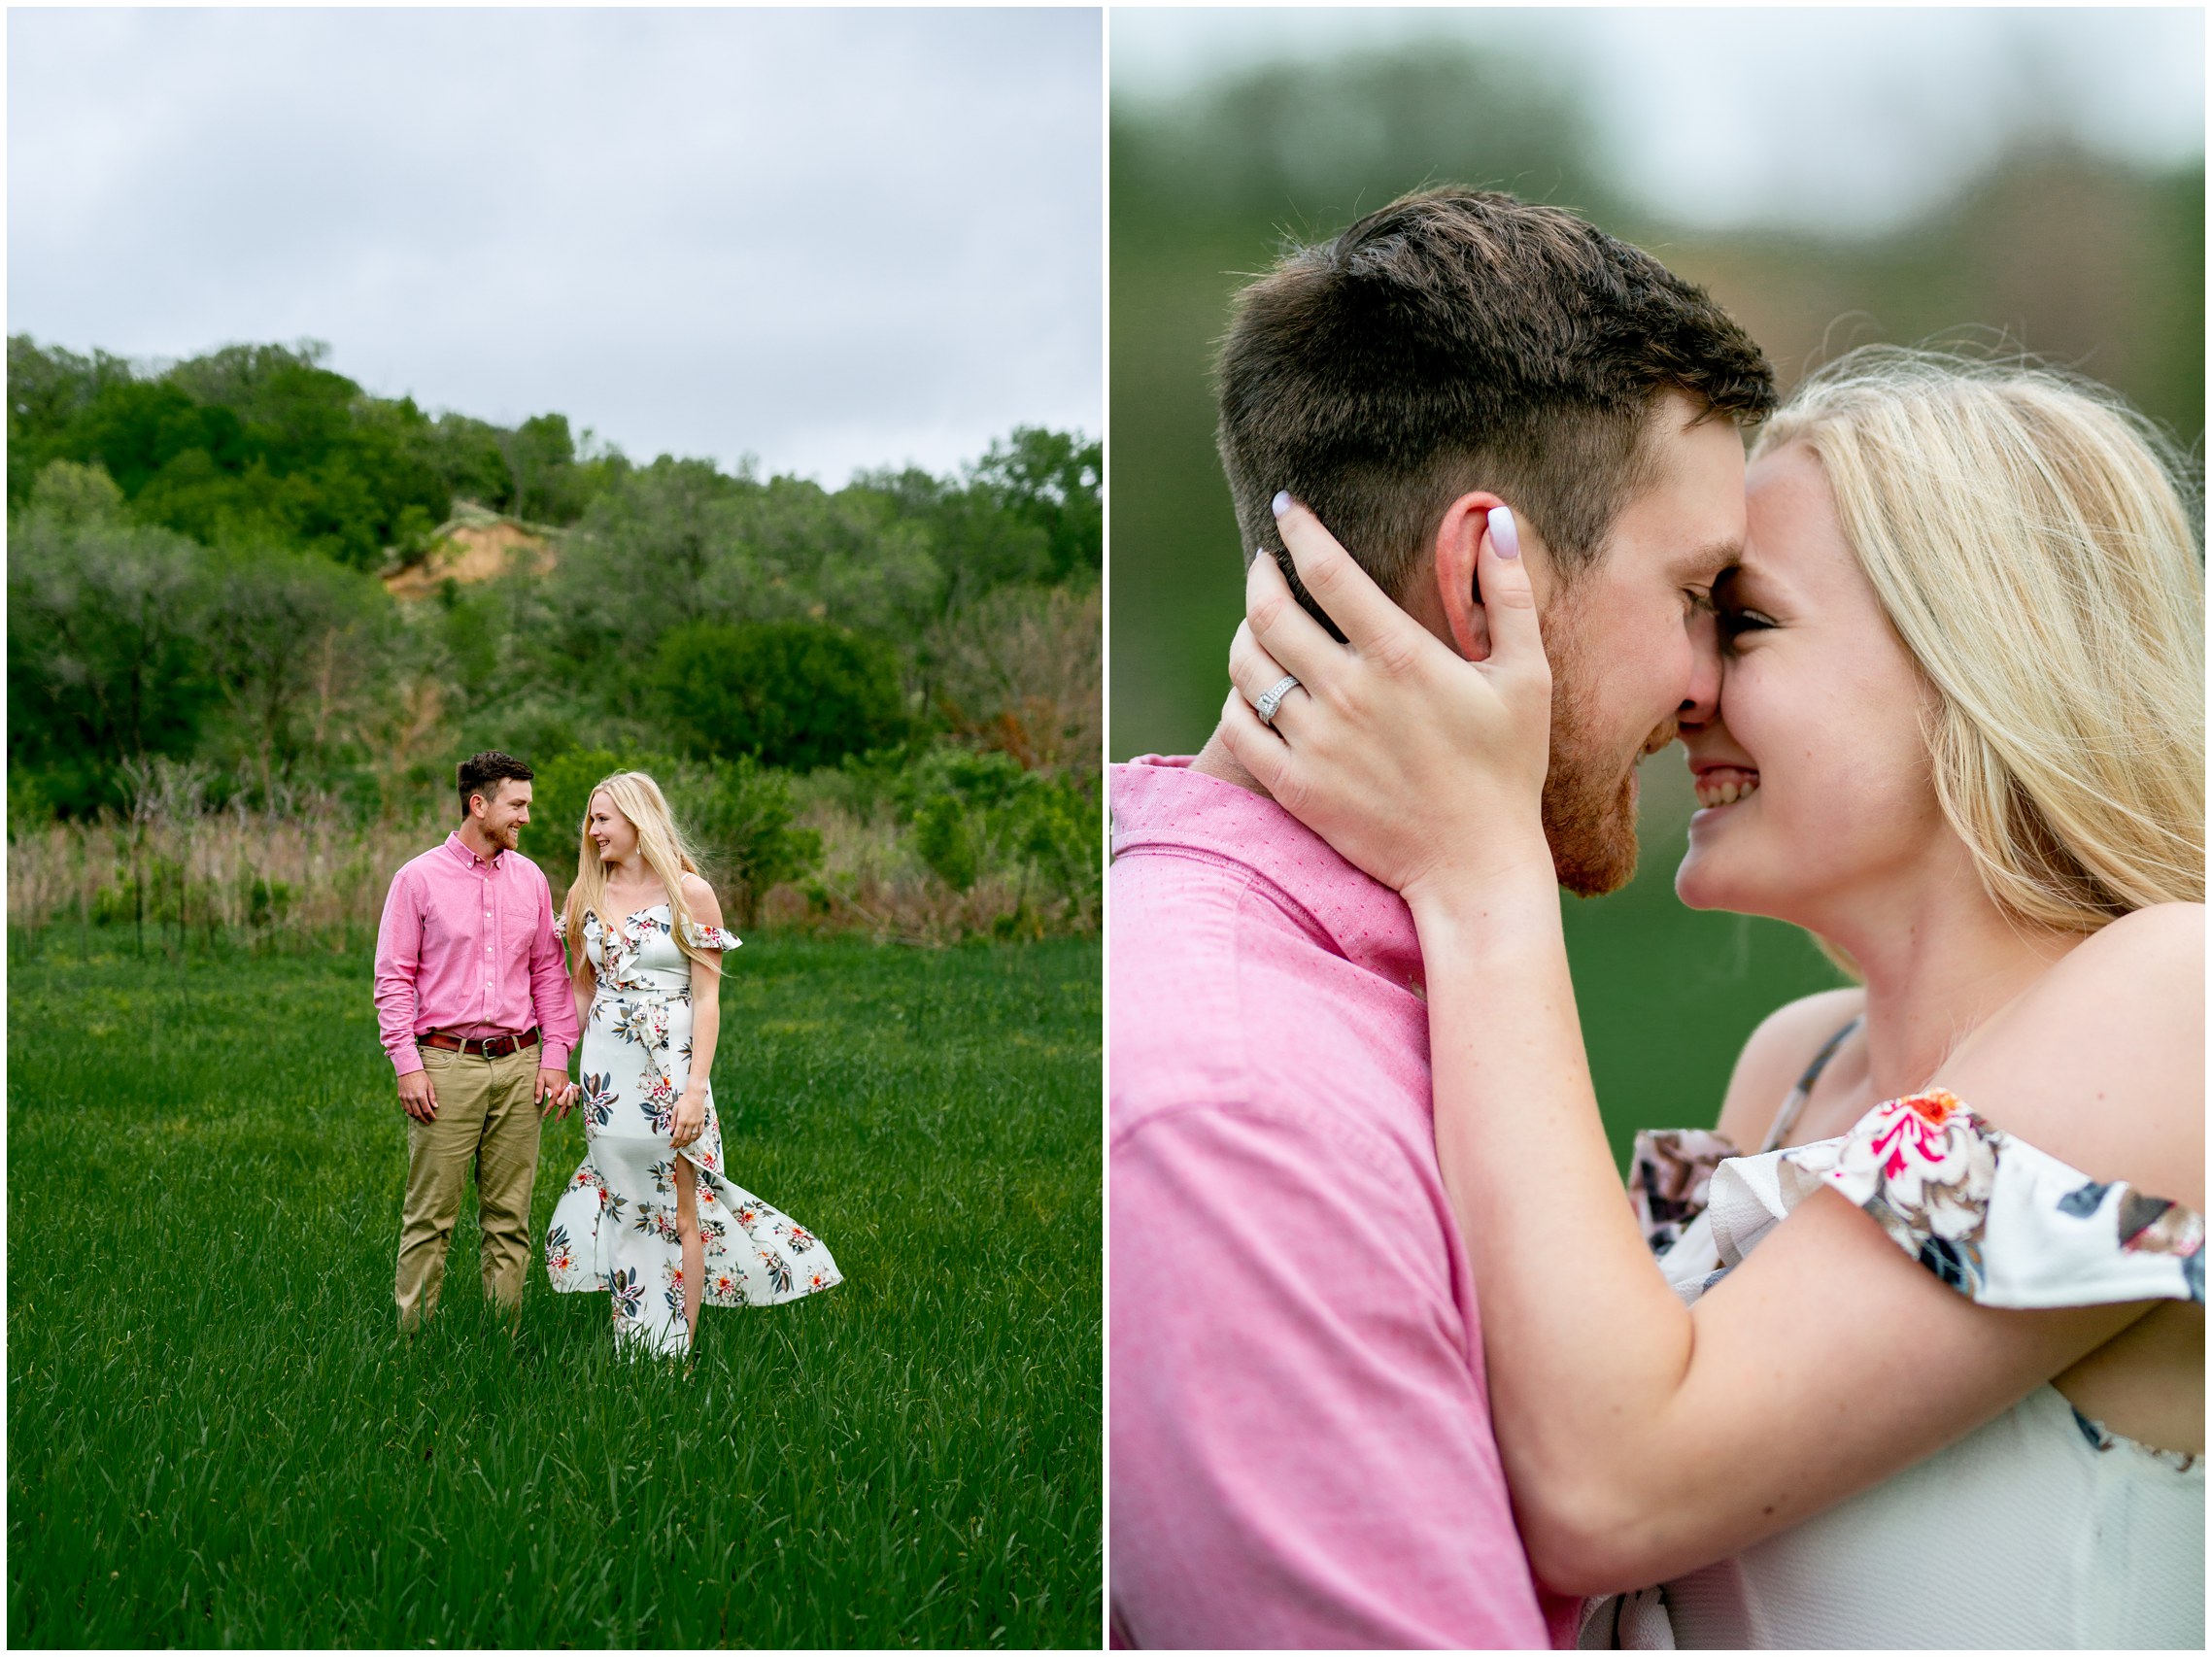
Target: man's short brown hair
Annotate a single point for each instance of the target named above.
(1457, 340)
(483, 773)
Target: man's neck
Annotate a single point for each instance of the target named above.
(1215, 761)
(476, 840)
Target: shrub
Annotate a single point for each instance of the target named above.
(787, 694)
(946, 839)
(736, 812)
(740, 813)
(562, 793)
(973, 813)
(30, 807)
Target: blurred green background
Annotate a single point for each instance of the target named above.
(2003, 179)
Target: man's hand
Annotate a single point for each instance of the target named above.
(418, 1095)
(554, 1088)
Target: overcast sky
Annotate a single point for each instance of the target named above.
(1834, 119)
(832, 240)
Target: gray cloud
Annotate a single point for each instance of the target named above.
(827, 239)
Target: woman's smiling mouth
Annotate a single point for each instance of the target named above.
(1724, 785)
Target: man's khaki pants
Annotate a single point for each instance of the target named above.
(488, 1118)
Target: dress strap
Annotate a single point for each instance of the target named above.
(1791, 1107)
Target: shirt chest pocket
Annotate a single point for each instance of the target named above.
(509, 931)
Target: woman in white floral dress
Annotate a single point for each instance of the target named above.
(651, 1217)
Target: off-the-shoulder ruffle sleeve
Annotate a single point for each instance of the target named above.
(709, 937)
(1670, 1178)
(2001, 1222)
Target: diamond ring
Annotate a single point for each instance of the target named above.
(1271, 698)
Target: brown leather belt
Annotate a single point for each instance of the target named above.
(488, 1047)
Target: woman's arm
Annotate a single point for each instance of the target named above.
(707, 1013)
(1641, 1439)
(1823, 1364)
(583, 983)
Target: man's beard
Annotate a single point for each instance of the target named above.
(1589, 799)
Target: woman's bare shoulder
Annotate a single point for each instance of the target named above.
(2101, 1061)
(1776, 1055)
(699, 900)
(2165, 933)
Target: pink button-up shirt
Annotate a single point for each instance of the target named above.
(467, 946)
(1301, 1443)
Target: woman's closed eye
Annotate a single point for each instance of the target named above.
(1736, 617)
(1737, 628)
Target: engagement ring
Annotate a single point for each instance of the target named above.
(1271, 698)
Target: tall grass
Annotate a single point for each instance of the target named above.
(315, 876)
(217, 1437)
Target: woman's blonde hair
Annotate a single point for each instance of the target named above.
(667, 853)
(2034, 543)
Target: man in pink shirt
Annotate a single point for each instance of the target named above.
(1301, 1446)
(473, 1004)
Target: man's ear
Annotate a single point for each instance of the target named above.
(1459, 538)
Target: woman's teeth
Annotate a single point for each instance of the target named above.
(1726, 788)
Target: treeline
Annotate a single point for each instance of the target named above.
(263, 442)
(202, 566)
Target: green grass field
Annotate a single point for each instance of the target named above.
(217, 1438)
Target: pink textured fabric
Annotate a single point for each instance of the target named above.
(1301, 1449)
(467, 946)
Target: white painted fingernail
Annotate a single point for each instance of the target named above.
(1504, 532)
(1282, 502)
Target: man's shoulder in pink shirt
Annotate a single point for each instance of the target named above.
(1301, 1445)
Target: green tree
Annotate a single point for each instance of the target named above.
(788, 693)
(291, 643)
(560, 794)
(104, 658)
(1050, 479)
(71, 495)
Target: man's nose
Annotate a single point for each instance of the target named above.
(1701, 700)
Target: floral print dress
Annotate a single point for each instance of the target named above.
(614, 1229)
(2042, 1528)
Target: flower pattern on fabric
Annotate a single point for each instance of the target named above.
(560, 1252)
(1923, 1166)
(1670, 1173)
(615, 1226)
(2001, 1220)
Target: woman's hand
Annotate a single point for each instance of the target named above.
(691, 1116)
(1424, 768)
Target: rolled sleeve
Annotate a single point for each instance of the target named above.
(398, 966)
(1300, 1452)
